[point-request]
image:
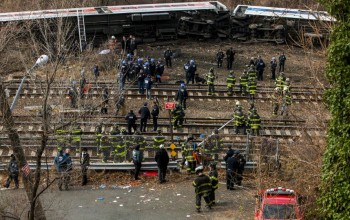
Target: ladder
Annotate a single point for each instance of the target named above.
(81, 29)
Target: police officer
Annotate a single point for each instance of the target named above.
(230, 82)
(13, 172)
(203, 188)
(239, 121)
(167, 56)
(158, 139)
(219, 58)
(232, 167)
(159, 71)
(213, 175)
(131, 120)
(186, 68)
(210, 81)
(84, 163)
(240, 170)
(229, 154)
(230, 56)
(148, 86)
(76, 137)
(282, 60)
(182, 95)
(273, 64)
(145, 114)
(178, 115)
(243, 82)
(155, 114)
(191, 72)
(260, 66)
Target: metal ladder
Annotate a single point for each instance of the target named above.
(81, 29)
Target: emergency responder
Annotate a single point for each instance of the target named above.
(61, 138)
(191, 162)
(273, 65)
(168, 54)
(120, 150)
(230, 56)
(131, 121)
(213, 175)
(286, 85)
(215, 143)
(243, 81)
(159, 71)
(232, 167)
(186, 67)
(252, 74)
(251, 86)
(162, 159)
(145, 114)
(287, 101)
(240, 170)
(113, 138)
(159, 139)
(105, 148)
(203, 188)
(137, 157)
(276, 99)
(239, 121)
(13, 172)
(282, 60)
(251, 107)
(60, 164)
(191, 72)
(210, 77)
(76, 137)
(280, 81)
(98, 132)
(254, 122)
(230, 82)
(73, 97)
(237, 106)
(260, 66)
(84, 163)
(182, 95)
(178, 115)
(138, 139)
(220, 58)
(185, 148)
(229, 154)
(155, 114)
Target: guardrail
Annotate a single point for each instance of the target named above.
(249, 165)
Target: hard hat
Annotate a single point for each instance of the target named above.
(285, 88)
(273, 58)
(238, 103)
(199, 169)
(113, 37)
(192, 61)
(129, 55)
(287, 79)
(161, 146)
(182, 85)
(251, 65)
(211, 70)
(124, 62)
(231, 72)
(252, 58)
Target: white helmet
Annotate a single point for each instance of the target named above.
(238, 103)
(161, 146)
(199, 169)
(113, 37)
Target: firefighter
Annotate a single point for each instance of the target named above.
(243, 81)
(280, 81)
(214, 144)
(178, 115)
(230, 82)
(98, 132)
(76, 137)
(251, 73)
(120, 150)
(286, 85)
(210, 81)
(254, 122)
(237, 106)
(213, 175)
(139, 140)
(184, 148)
(220, 58)
(239, 121)
(158, 140)
(251, 107)
(191, 162)
(105, 148)
(115, 139)
(61, 138)
(276, 99)
(182, 95)
(251, 86)
(287, 100)
(203, 188)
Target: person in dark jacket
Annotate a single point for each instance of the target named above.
(84, 163)
(137, 157)
(60, 164)
(240, 170)
(182, 95)
(13, 171)
(145, 115)
(229, 154)
(131, 120)
(230, 56)
(213, 175)
(155, 114)
(231, 171)
(203, 188)
(162, 159)
(260, 67)
(168, 54)
(148, 86)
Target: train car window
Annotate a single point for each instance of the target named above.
(161, 6)
(99, 10)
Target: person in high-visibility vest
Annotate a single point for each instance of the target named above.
(276, 99)
(287, 100)
(251, 86)
(191, 162)
(215, 144)
(213, 175)
(61, 138)
(76, 138)
(120, 150)
(230, 82)
(243, 81)
(252, 74)
(239, 121)
(98, 132)
(280, 81)
(184, 149)
(158, 140)
(178, 115)
(210, 81)
(254, 122)
(138, 139)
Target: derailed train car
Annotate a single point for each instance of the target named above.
(210, 19)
